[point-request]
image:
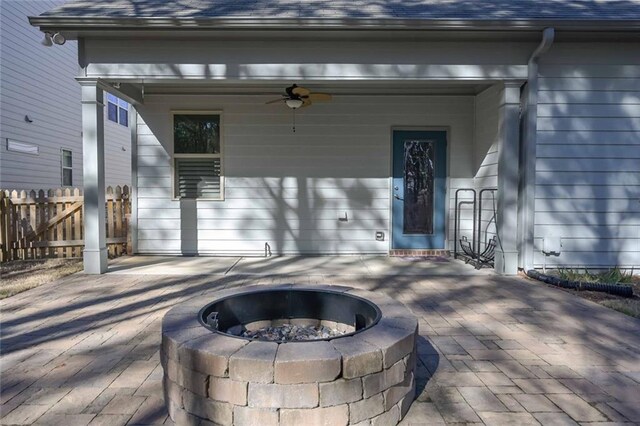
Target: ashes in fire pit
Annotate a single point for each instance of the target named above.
(284, 315)
(290, 332)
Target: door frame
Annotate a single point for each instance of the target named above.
(447, 136)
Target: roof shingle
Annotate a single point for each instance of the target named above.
(476, 10)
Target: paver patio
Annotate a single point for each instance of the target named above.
(493, 350)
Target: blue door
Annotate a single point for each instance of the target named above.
(419, 189)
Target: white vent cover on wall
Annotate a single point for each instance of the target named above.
(23, 147)
(198, 178)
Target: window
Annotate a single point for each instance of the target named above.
(197, 156)
(117, 110)
(67, 168)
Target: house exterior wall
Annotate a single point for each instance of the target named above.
(588, 155)
(40, 82)
(289, 189)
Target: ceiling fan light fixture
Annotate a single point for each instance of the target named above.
(294, 103)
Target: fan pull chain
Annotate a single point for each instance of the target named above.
(294, 120)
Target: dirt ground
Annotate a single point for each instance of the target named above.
(627, 305)
(22, 275)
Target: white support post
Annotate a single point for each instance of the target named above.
(95, 247)
(506, 260)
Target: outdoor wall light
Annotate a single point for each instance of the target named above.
(59, 39)
(46, 40)
(294, 103)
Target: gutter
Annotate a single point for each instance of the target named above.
(88, 24)
(529, 147)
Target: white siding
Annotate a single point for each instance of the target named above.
(486, 157)
(588, 155)
(39, 82)
(283, 188)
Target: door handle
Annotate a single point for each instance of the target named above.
(397, 197)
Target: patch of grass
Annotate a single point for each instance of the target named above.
(22, 275)
(611, 276)
(629, 307)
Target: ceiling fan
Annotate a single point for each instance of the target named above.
(298, 97)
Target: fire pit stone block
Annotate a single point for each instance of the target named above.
(307, 362)
(337, 415)
(359, 358)
(283, 396)
(209, 354)
(254, 362)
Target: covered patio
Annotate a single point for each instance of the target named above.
(492, 349)
(323, 179)
(327, 187)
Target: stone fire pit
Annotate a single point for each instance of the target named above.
(363, 376)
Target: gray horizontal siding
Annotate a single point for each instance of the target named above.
(289, 189)
(40, 82)
(588, 167)
(600, 256)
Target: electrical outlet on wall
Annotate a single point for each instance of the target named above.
(552, 246)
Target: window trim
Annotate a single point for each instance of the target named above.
(63, 167)
(175, 156)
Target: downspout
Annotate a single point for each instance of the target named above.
(529, 141)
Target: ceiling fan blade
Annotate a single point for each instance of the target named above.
(274, 101)
(320, 97)
(300, 91)
(306, 102)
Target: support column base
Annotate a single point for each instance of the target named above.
(95, 261)
(506, 262)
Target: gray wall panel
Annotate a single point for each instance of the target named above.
(588, 168)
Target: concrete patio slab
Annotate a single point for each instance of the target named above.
(420, 266)
(172, 265)
(301, 265)
(372, 265)
(492, 350)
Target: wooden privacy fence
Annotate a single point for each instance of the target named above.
(50, 224)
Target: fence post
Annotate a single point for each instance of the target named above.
(42, 218)
(126, 203)
(13, 226)
(22, 223)
(4, 224)
(77, 226)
